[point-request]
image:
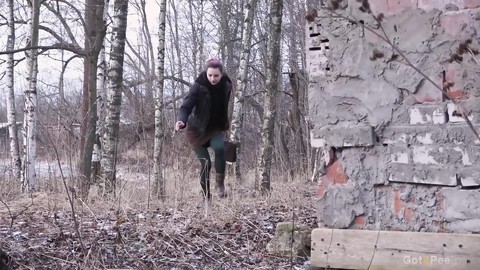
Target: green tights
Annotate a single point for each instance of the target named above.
(217, 143)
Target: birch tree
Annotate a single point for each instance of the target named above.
(102, 92)
(102, 72)
(159, 116)
(30, 118)
(264, 161)
(12, 121)
(114, 94)
(238, 101)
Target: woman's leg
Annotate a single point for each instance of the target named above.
(206, 164)
(217, 143)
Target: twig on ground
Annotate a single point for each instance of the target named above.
(15, 216)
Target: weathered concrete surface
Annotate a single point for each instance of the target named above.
(290, 240)
(401, 151)
(342, 206)
(462, 210)
(346, 136)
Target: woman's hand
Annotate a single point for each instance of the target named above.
(179, 125)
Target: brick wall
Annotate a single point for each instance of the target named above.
(400, 157)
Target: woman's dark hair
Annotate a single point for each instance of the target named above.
(214, 63)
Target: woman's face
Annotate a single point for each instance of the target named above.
(214, 75)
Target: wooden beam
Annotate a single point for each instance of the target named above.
(393, 250)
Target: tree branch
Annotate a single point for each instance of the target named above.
(64, 23)
(140, 82)
(65, 47)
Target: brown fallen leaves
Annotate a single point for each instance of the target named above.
(160, 239)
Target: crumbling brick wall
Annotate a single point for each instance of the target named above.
(397, 155)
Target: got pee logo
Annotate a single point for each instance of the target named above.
(433, 259)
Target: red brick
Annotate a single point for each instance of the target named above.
(360, 221)
(471, 3)
(440, 203)
(408, 214)
(451, 73)
(453, 23)
(321, 191)
(452, 76)
(430, 4)
(458, 94)
(391, 7)
(398, 204)
(335, 175)
(440, 4)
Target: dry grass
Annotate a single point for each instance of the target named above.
(231, 233)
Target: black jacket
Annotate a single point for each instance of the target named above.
(198, 100)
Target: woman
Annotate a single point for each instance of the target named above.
(208, 99)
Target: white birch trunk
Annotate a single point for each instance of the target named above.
(238, 101)
(318, 164)
(102, 92)
(12, 121)
(102, 77)
(114, 95)
(30, 120)
(159, 116)
(264, 161)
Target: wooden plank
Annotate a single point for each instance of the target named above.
(364, 249)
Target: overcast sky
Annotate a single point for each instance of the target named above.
(50, 68)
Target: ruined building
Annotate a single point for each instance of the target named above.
(399, 155)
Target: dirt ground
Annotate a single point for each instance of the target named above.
(135, 231)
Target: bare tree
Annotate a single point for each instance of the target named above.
(12, 121)
(140, 74)
(295, 40)
(176, 63)
(196, 15)
(94, 35)
(238, 101)
(30, 118)
(102, 71)
(114, 94)
(159, 105)
(264, 161)
(150, 56)
(101, 96)
(229, 27)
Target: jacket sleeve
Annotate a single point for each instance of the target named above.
(188, 104)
